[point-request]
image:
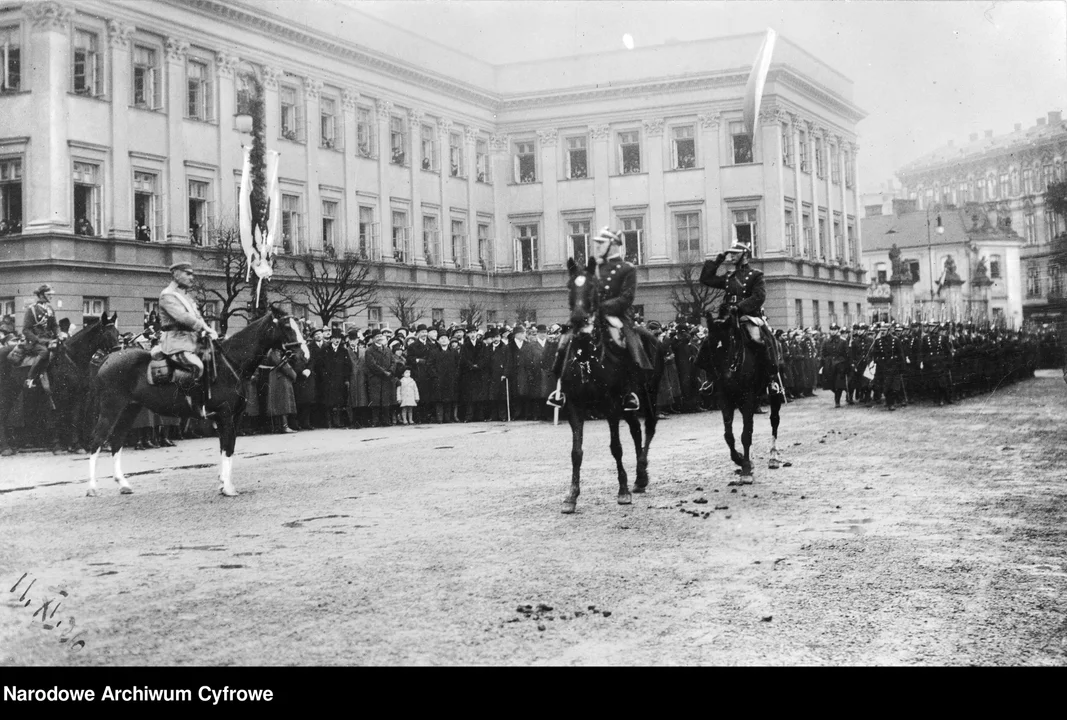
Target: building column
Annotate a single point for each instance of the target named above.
(498, 149)
(312, 88)
(444, 222)
(120, 224)
(657, 205)
(814, 181)
(226, 66)
(418, 257)
(382, 112)
(828, 188)
(843, 195)
(601, 164)
(470, 138)
(50, 204)
(553, 253)
(773, 237)
(350, 236)
(177, 228)
(857, 260)
(711, 145)
(798, 200)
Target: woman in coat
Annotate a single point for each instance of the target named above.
(444, 370)
(381, 385)
(281, 400)
(358, 403)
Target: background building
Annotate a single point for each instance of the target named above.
(1004, 178)
(468, 183)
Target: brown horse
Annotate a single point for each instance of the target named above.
(123, 389)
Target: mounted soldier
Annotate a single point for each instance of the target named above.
(41, 330)
(745, 293)
(617, 287)
(181, 324)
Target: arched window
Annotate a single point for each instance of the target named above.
(1055, 281)
(994, 267)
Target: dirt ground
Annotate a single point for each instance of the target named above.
(928, 536)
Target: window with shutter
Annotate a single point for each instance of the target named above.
(10, 196)
(147, 85)
(525, 162)
(87, 64)
(578, 236)
(683, 147)
(633, 239)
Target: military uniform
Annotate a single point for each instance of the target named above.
(889, 358)
(835, 363)
(181, 323)
(40, 329)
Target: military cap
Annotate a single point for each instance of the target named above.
(188, 267)
(654, 325)
(46, 288)
(542, 328)
(608, 235)
(834, 326)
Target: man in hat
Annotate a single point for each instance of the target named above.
(181, 323)
(889, 358)
(40, 328)
(617, 287)
(835, 363)
(419, 361)
(744, 294)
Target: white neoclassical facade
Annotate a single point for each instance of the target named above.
(464, 181)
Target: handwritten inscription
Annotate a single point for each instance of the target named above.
(46, 609)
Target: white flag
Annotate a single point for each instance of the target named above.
(756, 79)
(244, 205)
(274, 195)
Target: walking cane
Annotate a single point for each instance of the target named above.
(507, 394)
(555, 410)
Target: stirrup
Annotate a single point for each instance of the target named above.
(556, 399)
(632, 403)
(31, 383)
(775, 389)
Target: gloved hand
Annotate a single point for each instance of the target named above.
(211, 333)
(306, 373)
(613, 321)
(732, 309)
(720, 258)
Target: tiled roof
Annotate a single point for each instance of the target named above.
(998, 144)
(908, 230)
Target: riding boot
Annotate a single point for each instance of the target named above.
(164, 437)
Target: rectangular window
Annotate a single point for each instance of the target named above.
(881, 273)
(151, 307)
(398, 141)
(745, 229)
(147, 208)
(816, 318)
(437, 316)
(578, 240)
(850, 170)
(485, 248)
(740, 144)
(787, 145)
(629, 152)
(809, 240)
(366, 144)
(831, 314)
(429, 148)
(10, 196)
(790, 233)
(822, 239)
(87, 64)
(526, 248)
(246, 91)
(7, 307)
(851, 230)
(198, 211)
(839, 242)
(1033, 282)
(683, 147)
(577, 158)
(87, 199)
(798, 308)
(291, 114)
(457, 166)
(329, 227)
(820, 169)
(431, 241)
(633, 239)
(481, 156)
(490, 317)
(1014, 181)
(525, 162)
(292, 224)
(805, 166)
(210, 310)
(1005, 186)
(92, 309)
(1031, 229)
(913, 266)
(687, 232)
(835, 170)
(1055, 282)
(994, 267)
(147, 78)
(1028, 181)
(198, 90)
(458, 250)
(369, 248)
(374, 316)
(11, 68)
(401, 237)
(328, 136)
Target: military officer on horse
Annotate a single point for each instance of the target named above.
(617, 287)
(41, 330)
(743, 298)
(181, 324)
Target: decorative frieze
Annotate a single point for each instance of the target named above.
(176, 49)
(118, 34)
(653, 127)
(349, 98)
(548, 137)
(498, 142)
(312, 89)
(271, 76)
(599, 132)
(710, 120)
(49, 15)
(226, 63)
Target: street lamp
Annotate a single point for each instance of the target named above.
(930, 250)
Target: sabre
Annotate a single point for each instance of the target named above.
(507, 395)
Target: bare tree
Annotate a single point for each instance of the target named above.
(407, 307)
(524, 309)
(691, 300)
(473, 312)
(331, 287)
(225, 253)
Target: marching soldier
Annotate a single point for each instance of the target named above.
(40, 328)
(835, 363)
(888, 353)
(181, 322)
(937, 355)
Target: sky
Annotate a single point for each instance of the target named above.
(924, 72)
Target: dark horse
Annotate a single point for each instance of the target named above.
(69, 368)
(594, 378)
(739, 380)
(123, 389)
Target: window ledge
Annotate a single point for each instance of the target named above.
(282, 138)
(632, 174)
(202, 122)
(154, 111)
(570, 179)
(6, 93)
(430, 171)
(523, 184)
(690, 169)
(97, 98)
(332, 149)
(741, 164)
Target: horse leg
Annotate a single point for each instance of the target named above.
(728, 427)
(117, 440)
(111, 415)
(748, 413)
(577, 423)
(227, 441)
(776, 406)
(7, 402)
(616, 452)
(642, 464)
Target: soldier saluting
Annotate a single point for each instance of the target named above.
(181, 323)
(40, 328)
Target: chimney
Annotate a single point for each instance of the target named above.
(1040, 122)
(1018, 127)
(1055, 118)
(974, 136)
(989, 133)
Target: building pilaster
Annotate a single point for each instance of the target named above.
(814, 180)
(120, 223)
(773, 237)
(600, 134)
(382, 111)
(498, 155)
(226, 66)
(418, 254)
(177, 227)
(711, 144)
(470, 138)
(798, 195)
(657, 210)
(444, 223)
(553, 251)
(350, 237)
(312, 88)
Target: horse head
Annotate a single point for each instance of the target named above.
(290, 331)
(101, 336)
(583, 297)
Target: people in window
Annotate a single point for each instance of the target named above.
(144, 234)
(194, 233)
(83, 227)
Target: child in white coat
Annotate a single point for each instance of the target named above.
(407, 394)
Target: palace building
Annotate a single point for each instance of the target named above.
(467, 183)
(997, 184)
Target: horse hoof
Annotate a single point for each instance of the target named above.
(58, 451)
(227, 493)
(625, 499)
(639, 489)
(568, 508)
(773, 465)
(92, 492)
(126, 491)
(7, 452)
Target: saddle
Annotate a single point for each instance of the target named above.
(161, 368)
